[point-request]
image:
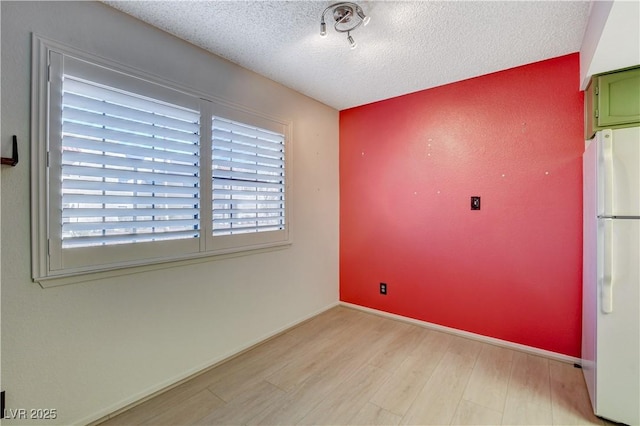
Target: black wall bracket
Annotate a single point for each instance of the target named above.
(13, 160)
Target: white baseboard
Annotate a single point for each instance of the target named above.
(485, 339)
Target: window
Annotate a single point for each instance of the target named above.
(122, 178)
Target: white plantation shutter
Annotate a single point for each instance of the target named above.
(130, 167)
(130, 171)
(248, 178)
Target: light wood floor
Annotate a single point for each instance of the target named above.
(350, 367)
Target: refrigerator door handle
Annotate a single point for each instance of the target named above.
(607, 276)
(607, 169)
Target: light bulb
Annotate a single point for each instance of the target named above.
(365, 19)
(352, 42)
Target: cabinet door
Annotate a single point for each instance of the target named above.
(619, 98)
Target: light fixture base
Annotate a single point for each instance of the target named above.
(343, 14)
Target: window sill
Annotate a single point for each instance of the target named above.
(76, 277)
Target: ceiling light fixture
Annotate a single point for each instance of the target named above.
(347, 16)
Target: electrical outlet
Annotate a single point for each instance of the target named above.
(383, 288)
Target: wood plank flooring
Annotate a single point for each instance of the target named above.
(350, 367)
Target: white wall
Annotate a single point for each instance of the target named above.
(88, 349)
(612, 38)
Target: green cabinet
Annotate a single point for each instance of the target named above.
(612, 101)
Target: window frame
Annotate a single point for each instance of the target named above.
(53, 265)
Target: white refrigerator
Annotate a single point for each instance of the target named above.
(611, 274)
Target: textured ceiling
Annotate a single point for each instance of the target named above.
(407, 46)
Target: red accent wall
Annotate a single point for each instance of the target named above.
(408, 167)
